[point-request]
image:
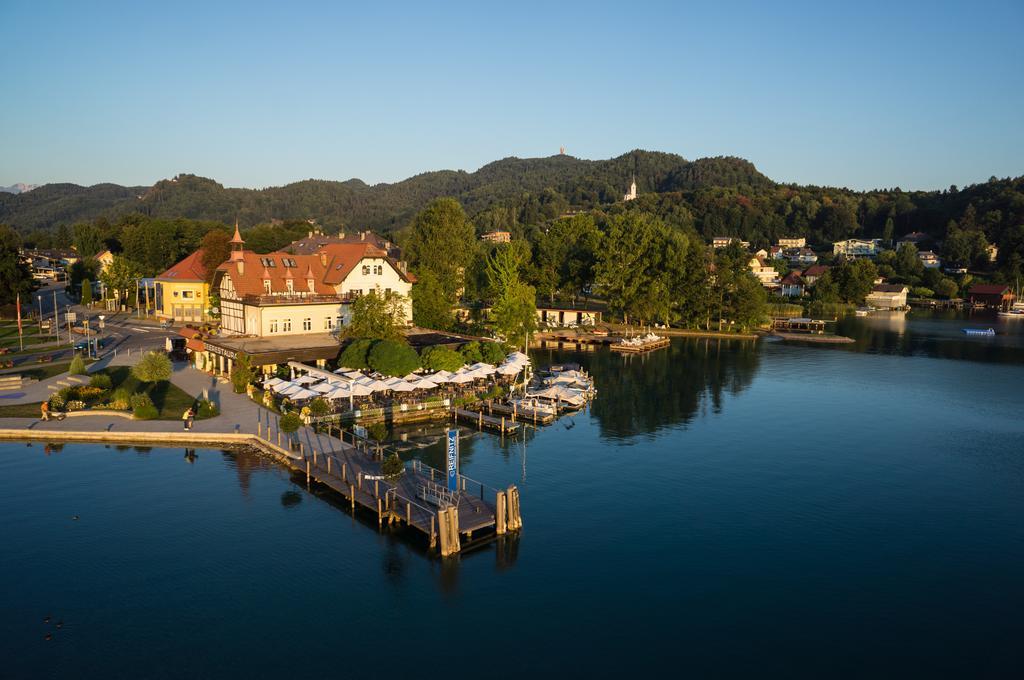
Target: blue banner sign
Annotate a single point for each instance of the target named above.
(453, 460)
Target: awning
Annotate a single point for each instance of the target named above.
(188, 332)
(195, 345)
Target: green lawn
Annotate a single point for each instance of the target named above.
(44, 371)
(169, 399)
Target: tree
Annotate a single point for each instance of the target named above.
(392, 466)
(290, 423)
(15, 277)
(88, 239)
(946, 288)
(86, 292)
(440, 358)
(80, 270)
(854, 280)
(515, 305)
(492, 352)
(443, 241)
(430, 306)
(216, 246)
(153, 367)
(120, 277)
(471, 352)
(242, 373)
(393, 358)
(748, 305)
(908, 265)
(378, 314)
(889, 230)
(355, 355)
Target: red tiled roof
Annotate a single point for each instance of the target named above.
(327, 268)
(988, 289)
(189, 269)
(816, 270)
(791, 279)
(196, 345)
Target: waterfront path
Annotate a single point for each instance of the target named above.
(238, 413)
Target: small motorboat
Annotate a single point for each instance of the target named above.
(861, 311)
(979, 331)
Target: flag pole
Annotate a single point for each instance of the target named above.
(21, 338)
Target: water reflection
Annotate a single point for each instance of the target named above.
(643, 394)
(936, 334)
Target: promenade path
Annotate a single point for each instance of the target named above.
(238, 413)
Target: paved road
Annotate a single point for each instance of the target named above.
(121, 331)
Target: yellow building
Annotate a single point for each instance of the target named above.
(183, 291)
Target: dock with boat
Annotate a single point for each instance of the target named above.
(640, 344)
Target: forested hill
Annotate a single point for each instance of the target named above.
(502, 193)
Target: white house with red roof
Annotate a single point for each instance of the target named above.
(281, 293)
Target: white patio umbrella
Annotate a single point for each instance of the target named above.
(377, 386)
(518, 357)
(509, 369)
(481, 365)
(326, 387)
(399, 385)
(461, 378)
(359, 390)
(412, 377)
(442, 374)
(354, 375)
(302, 394)
(306, 380)
(286, 388)
(272, 382)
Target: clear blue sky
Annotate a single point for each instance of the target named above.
(860, 94)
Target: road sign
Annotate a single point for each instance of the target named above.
(72, 317)
(453, 459)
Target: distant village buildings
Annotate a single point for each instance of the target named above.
(497, 236)
(856, 247)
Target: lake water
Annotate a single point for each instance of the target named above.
(723, 508)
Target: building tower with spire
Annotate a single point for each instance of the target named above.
(237, 245)
(631, 196)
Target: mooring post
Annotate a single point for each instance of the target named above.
(480, 422)
(503, 424)
(343, 477)
(259, 429)
(352, 495)
(328, 465)
(307, 472)
(408, 512)
(380, 515)
(279, 438)
(376, 488)
(499, 513)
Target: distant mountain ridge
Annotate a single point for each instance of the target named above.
(19, 188)
(556, 181)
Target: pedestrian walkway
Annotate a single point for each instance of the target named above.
(238, 413)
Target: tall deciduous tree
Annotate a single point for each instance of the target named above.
(515, 305)
(216, 245)
(430, 307)
(120, 277)
(378, 314)
(441, 240)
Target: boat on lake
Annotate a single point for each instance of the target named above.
(979, 331)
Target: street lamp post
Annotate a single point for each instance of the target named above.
(40, 298)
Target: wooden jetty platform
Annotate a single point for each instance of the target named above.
(648, 346)
(418, 498)
(521, 414)
(502, 424)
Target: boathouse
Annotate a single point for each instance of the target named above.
(888, 296)
(992, 295)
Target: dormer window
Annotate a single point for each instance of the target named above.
(290, 285)
(266, 286)
(311, 284)
(378, 270)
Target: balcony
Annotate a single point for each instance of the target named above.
(296, 298)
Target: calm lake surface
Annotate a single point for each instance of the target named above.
(723, 509)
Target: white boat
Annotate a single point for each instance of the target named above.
(535, 405)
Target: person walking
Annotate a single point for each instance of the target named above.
(186, 417)
(44, 408)
(191, 417)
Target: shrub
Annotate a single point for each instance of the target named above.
(319, 407)
(356, 355)
(471, 352)
(207, 409)
(120, 399)
(289, 423)
(492, 352)
(439, 358)
(101, 380)
(57, 402)
(68, 393)
(77, 366)
(75, 405)
(152, 367)
(145, 413)
(393, 358)
(392, 466)
(139, 400)
(90, 393)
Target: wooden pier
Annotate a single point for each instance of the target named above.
(648, 346)
(521, 414)
(501, 424)
(418, 498)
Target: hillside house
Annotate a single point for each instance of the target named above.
(764, 272)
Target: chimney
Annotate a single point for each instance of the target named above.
(323, 259)
(362, 236)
